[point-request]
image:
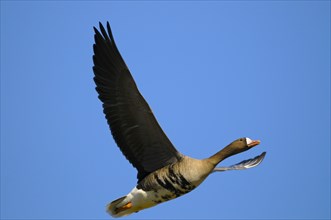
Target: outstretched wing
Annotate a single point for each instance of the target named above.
(131, 121)
(246, 164)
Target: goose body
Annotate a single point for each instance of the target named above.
(163, 185)
(163, 172)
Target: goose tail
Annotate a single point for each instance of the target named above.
(120, 207)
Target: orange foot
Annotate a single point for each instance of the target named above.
(125, 207)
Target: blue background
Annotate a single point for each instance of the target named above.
(211, 71)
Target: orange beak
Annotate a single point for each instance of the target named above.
(254, 143)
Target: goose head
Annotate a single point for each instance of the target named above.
(240, 145)
(243, 144)
(237, 146)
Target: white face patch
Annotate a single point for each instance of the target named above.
(248, 141)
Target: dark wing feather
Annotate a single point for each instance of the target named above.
(245, 164)
(131, 121)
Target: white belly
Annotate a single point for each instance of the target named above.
(142, 199)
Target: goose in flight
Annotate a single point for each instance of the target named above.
(163, 172)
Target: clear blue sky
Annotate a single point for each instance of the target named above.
(211, 71)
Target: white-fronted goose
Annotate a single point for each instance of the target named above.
(163, 172)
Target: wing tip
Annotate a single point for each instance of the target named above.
(262, 155)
